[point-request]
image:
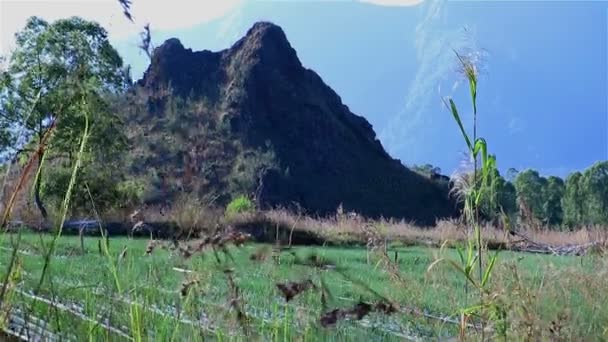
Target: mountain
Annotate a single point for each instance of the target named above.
(252, 120)
(541, 78)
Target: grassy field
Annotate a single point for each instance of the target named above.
(130, 295)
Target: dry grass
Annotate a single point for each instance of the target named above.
(352, 228)
(565, 287)
(584, 235)
(195, 216)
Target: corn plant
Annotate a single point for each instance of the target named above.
(474, 188)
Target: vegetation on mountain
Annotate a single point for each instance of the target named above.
(252, 120)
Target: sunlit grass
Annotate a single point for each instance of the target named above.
(153, 283)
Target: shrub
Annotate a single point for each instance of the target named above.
(108, 191)
(239, 205)
(130, 192)
(194, 215)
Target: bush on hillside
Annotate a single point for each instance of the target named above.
(239, 205)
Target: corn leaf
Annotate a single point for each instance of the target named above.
(459, 122)
(463, 271)
(488, 271)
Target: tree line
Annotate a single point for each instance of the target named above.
(579, 200)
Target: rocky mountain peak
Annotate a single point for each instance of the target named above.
(252, 120)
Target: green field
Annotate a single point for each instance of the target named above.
(142, 298)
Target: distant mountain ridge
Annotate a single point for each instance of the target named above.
(251, 119)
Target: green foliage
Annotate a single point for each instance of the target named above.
(505, 200)
(107, 190)
(58, 72)
(585, 196)
(530, 192)
(435, 293)
(573, 201)
(239, 205)
(248, 167)
(552, 206)
(594, 185)
(58, 61)
(130, 192)
(582, 199)
(511, 174)
(507, 196)
(478, 192)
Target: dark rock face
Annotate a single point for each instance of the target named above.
(257, 97)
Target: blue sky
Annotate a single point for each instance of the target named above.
(542, 96)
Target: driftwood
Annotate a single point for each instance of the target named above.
(522, 243)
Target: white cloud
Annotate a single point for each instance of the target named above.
(176, 14)
(162, 14)
(435, 42)
(436, 61)
(395, 2)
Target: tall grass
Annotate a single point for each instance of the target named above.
(10, 272)
(65, 207)
(474, 188)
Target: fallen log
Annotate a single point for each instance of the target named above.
(527, 245)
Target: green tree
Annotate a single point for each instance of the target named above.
(530, 192)
(506, 196)
(573, 200)
(511, 174)
(552, 204)
(594, 188)
(53, 70)
(502, 199)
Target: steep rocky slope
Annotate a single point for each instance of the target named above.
(251, 119)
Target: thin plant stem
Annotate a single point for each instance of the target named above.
(68, 195)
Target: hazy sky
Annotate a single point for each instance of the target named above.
(14, 13)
